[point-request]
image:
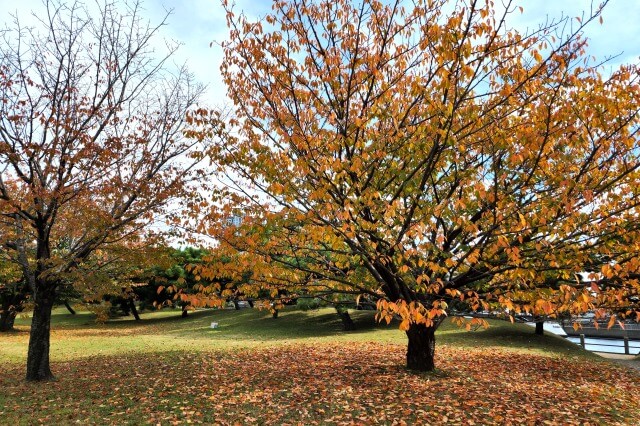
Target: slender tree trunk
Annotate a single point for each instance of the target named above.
(250, 302)
(236, 305)
(69, 308)
(38, 368)
(134, 311)
(274, 314)
(540, 328)
(421, 348)
(185, 313)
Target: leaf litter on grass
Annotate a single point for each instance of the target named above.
(348, 383)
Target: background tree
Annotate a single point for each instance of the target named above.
(107, 281)
(451, 156)
(220, 276)
(171, 282)
(67, 295)
(91, 124)
(13, 292)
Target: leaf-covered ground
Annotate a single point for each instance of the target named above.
(345, 383)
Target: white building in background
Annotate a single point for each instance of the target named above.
(235, 220)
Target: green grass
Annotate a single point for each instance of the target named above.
(77, 336)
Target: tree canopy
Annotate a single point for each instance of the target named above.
(450, 156)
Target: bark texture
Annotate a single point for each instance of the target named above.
(421, 348)
(38, 368)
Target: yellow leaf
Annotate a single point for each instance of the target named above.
(404, 325)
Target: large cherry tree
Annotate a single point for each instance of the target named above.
(91, 144)
(450, 156)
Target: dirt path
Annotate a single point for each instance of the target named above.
(630, 361)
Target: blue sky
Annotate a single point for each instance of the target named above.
(196, 23)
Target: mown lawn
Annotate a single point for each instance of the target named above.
(302, 369)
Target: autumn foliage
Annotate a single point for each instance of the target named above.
(91, 147)
(427, 155)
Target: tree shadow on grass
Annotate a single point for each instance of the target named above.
(291, 324)
(506, 335)
(245, 323)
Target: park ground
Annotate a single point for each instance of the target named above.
(302, 369)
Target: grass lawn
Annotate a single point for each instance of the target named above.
(302, 369)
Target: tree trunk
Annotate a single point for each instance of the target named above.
(236, 305)
(185, 313)
(274, 314)
(421, 348)
(38, 368)
(540, 328)
(347, 322)
(134, 311)
(250, 302)
(12, 304)
(69, 308)
(7, 318)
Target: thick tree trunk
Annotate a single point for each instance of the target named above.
(69, 308)
(7, 318)
(236, 305)
(540, 328)
(250, 302)
(274, 314)
(347, 322)
(421, 348)
(134, 311)
(185, 313)
(38, 368)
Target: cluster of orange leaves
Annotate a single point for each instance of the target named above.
(351, 383)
